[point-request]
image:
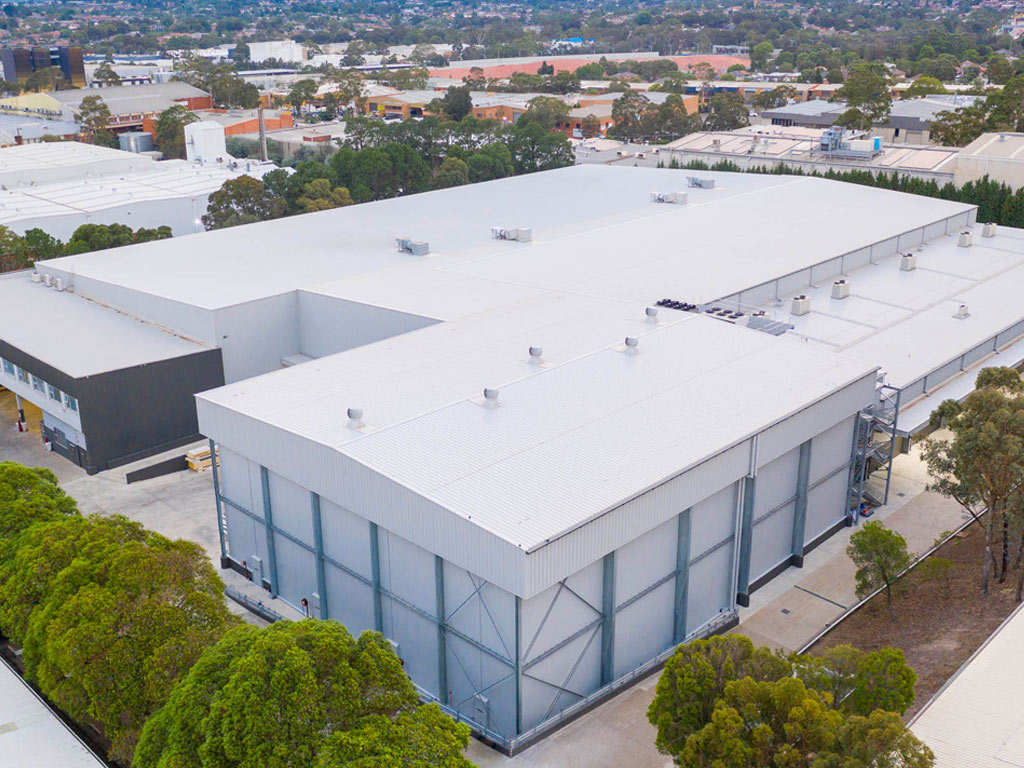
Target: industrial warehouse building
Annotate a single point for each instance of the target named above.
(538, 455)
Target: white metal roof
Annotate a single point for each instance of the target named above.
(595, 232)
(34, 164)
(977, 719)
(31, 734)
(905, 321)
(570, 437)
(66, 331)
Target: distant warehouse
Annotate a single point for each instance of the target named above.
(540, 430)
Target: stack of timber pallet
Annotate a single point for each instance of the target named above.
(199, 459)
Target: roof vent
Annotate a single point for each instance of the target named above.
(355, 418)
(415, 247)
(490, 395)
(519, 234)
(58, 283)
(632, 342)
(801, 305)
(962, 313)
(47, 279)
(35, 277)
(652, 314)
(966, 239)
(840, 289)
(535, 354)
(678, 198)
(989, 229)
(695, 181)
(908, 262)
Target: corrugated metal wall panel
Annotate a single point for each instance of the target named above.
(795, 282)
(346, 537)
(576, 549)
(644, 629)
(643, 561)
(938, 229)
(772, 540)
(826, 505)
(291, 507)
(407, 570)
(972, 356)
(856, 259)
(758, 295)
(943, 373)
(296, 571)
(776, 482)
(234, 478)
(827, 270)
(911, 239)
(713, 520)
(1010, 334)
(349, 600)
(884, 248)
(329, 324)
(831, 448)
(710, 588)
(815, 419)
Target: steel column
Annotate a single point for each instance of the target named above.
(519, 667)
(442, 645)
(803, 474)
(682, 577)
(268, 525)
(746, 541)
(318, 544)
(608, 620)
(220, 509)
(378, 611)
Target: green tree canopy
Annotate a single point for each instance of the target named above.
(880, 555)
(866, 94)
(982, 466)
(29, 495)
(242, 200)
(286, 695)
(110, 616)
(169, 133)
(546, 111)
(924, 86)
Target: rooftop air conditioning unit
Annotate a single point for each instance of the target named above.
(415, 247)
(519, 234)
(989, 229)
(58, 284)
(35, 277)
(695, 181)
(679, 198)
(908, 262)
(47, 279)
(840, 289)
(966, 239)
(801, 305)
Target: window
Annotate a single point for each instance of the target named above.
(38, 384)
(22, 375)
(54, 392)
(70, 403)
(9, 368)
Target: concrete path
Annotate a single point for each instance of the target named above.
(785, 613)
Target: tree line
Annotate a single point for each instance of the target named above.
(722, 703)
(380, 160)
(20, 251)
(997, 202)
(128, 631)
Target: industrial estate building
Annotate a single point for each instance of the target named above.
(571, 420)
(59, 186)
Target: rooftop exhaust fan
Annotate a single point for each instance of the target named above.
(840, 289)
(966, 239)
(962, 313)
(989, 229)
(908, 262)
